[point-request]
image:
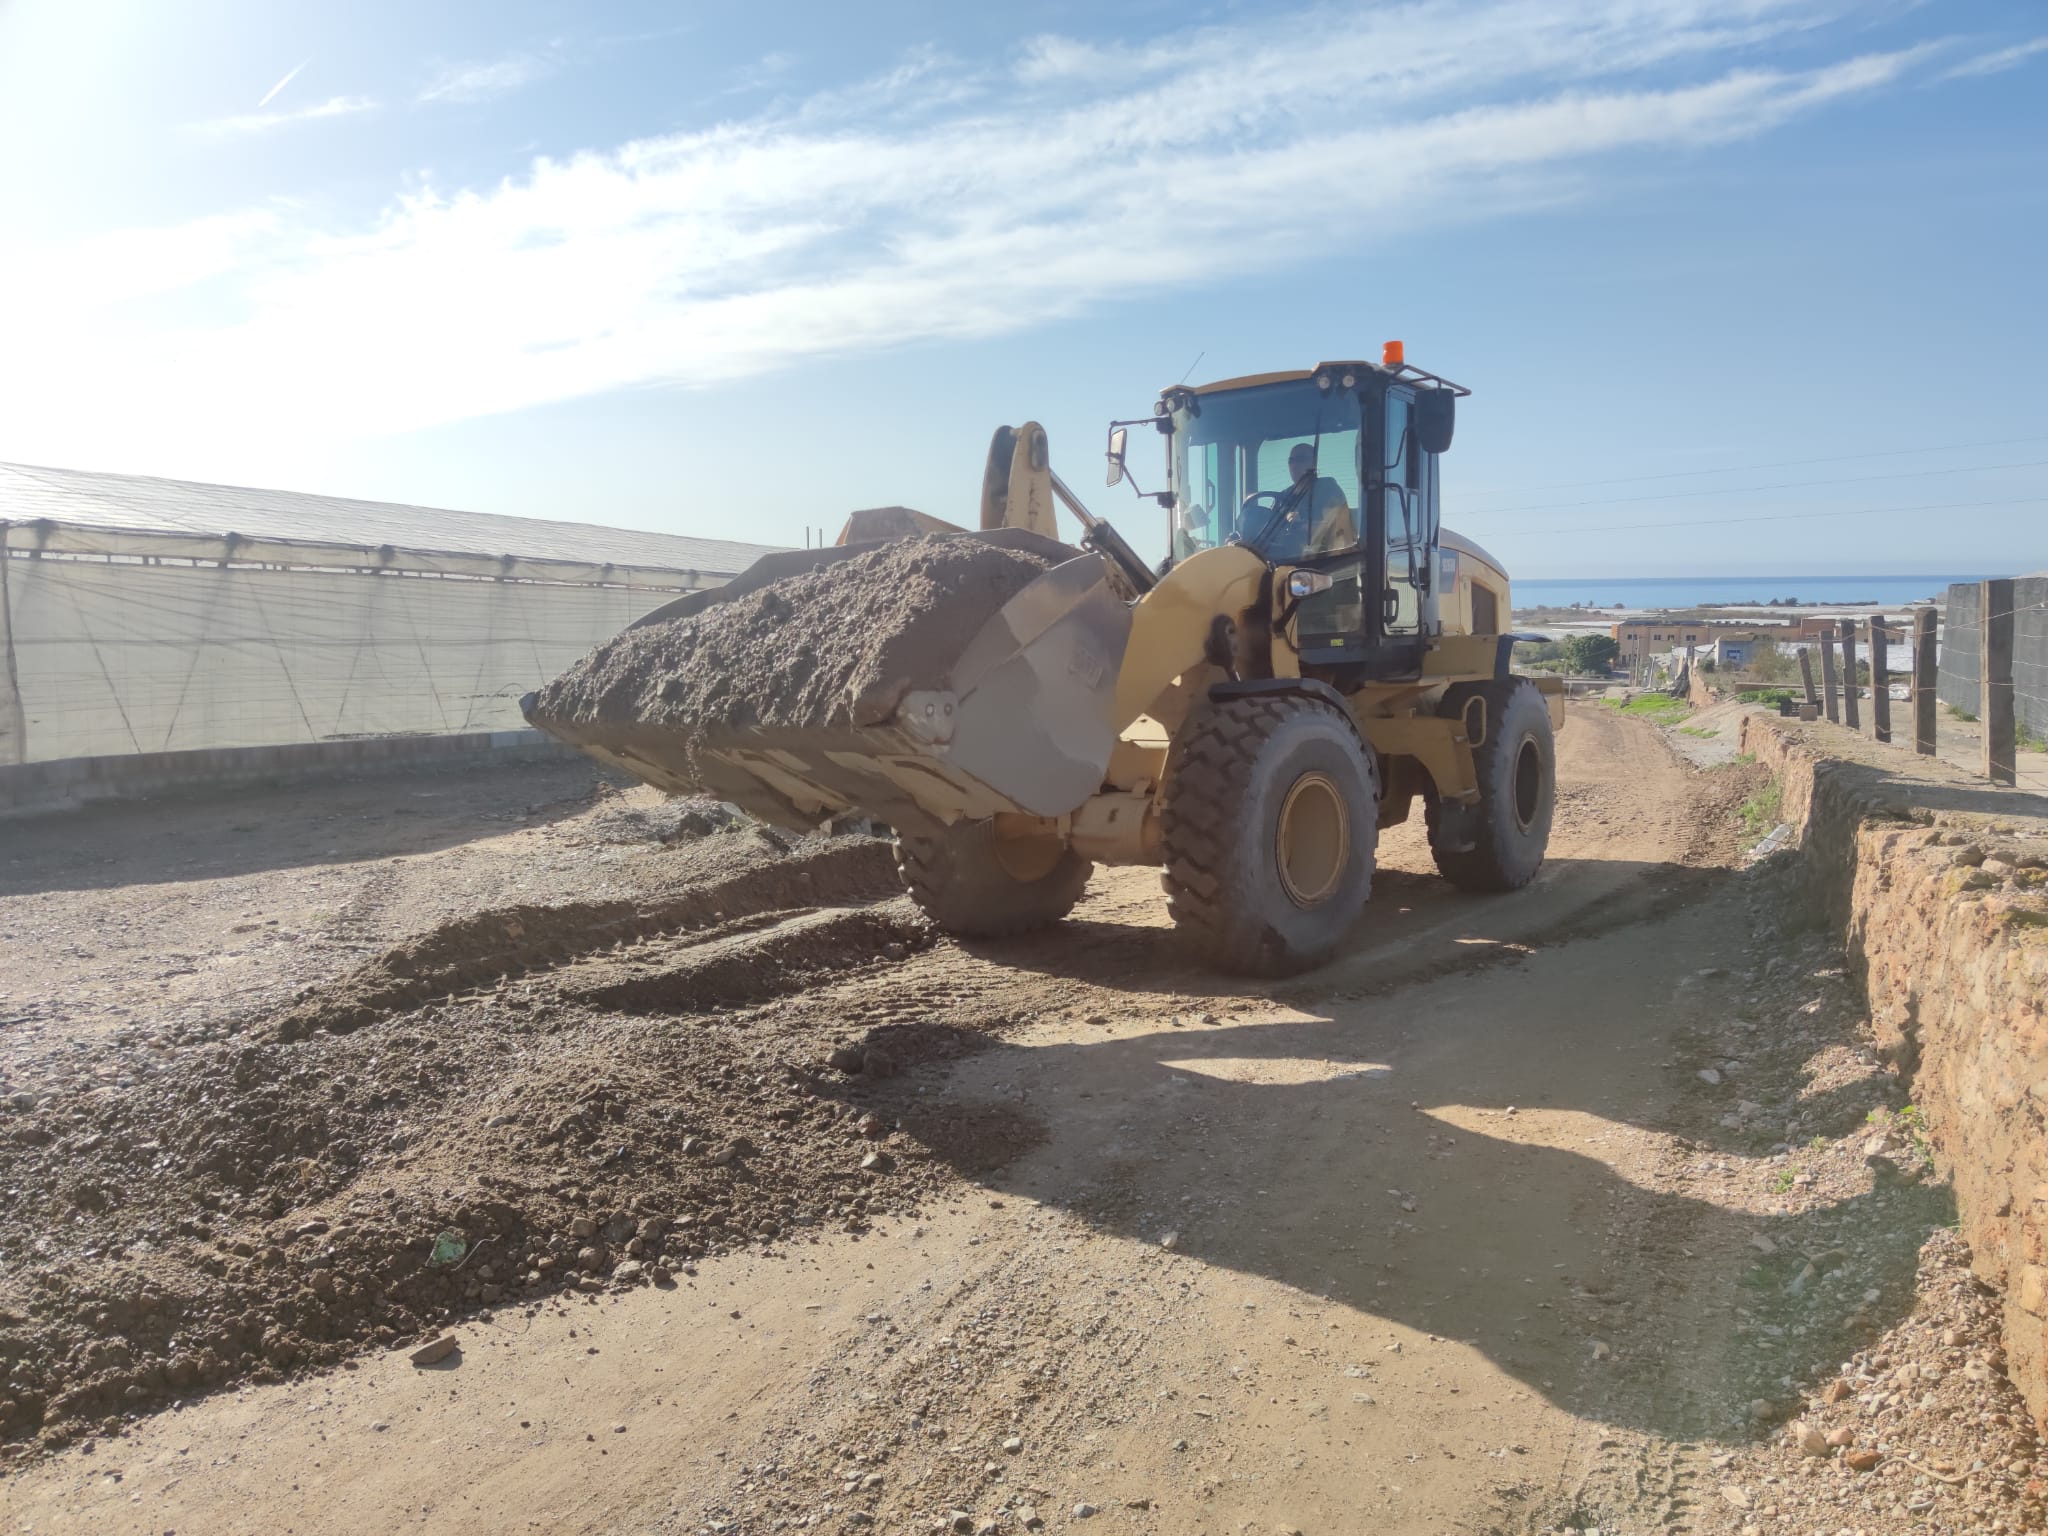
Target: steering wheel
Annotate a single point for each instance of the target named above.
(1258, 513)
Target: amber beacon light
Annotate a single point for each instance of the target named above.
(1393, 355)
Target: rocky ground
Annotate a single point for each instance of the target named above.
(751, 1207)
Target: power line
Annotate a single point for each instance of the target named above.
(1743, 469)
(1744, 490)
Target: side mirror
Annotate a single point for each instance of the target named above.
(1117, 439)
(1436, 413)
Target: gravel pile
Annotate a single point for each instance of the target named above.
(836, 646)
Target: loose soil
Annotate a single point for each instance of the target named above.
(835, 646)
(1452, 1235)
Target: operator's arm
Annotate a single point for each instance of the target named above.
(1335, 528)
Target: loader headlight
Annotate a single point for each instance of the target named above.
(1302, 584)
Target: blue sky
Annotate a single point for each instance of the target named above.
(1769, 271)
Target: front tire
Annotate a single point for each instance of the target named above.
(1270, 826)
(1498, 844)
(969, 883)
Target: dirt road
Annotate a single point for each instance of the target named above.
(1451, 1236)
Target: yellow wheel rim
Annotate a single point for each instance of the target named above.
(1312, 845)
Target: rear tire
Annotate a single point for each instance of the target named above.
(1498, 844)
(958, 880)
(1270, 824)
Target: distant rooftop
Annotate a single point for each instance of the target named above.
(144, 504)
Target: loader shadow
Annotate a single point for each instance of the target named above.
(1290, 1151)
(1415, 925)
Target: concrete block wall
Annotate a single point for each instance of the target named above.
(1950, 927)
(1959, 682)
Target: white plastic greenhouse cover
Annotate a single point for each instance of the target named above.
(143, 615)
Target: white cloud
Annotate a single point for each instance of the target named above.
(1999, 62)
(918, 207)
(263, 122)
(485, 80)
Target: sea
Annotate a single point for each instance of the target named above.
(1695, 591)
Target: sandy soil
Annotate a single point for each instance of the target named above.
(1450, 1236)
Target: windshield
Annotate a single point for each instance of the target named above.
(1274, 467)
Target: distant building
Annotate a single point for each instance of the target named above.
(1740, 650)
(1659, 634)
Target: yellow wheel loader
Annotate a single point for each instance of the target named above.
(1314, 655)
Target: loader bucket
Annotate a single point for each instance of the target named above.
(1022, 720)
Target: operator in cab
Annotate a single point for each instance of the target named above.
(1314, 516)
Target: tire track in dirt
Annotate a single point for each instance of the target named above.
(481, 948)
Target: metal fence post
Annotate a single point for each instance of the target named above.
(1924, 682)
(1994, 672)
(1829, 704)
(1850, 712)
(1880, 679)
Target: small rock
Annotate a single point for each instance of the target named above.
(1837, 1389)
(877, 1161)
(1841, 1438)
(725, 1154)
(440, 1349)
(1709, 1076)
(1763, 1245)
(846, 1058)
(1014, 1444)
(1029, 1517)
(1953, 1338)
(1083, 1511)
(591, 1258)
(583, 1226)
(876, 1062)
(1600, 1349)
(1862, 1461)
(1811, 1442)
(630, 1271)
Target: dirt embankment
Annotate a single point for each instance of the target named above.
(510, 1101)
(836, 646)
(1941, 883)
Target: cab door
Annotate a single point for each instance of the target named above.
(1400, 538)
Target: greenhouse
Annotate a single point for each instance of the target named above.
(140, 615)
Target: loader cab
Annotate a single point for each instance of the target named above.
(1333, 470)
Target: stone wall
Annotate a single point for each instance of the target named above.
(1944, 901)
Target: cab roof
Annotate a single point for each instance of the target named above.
(1289, 376)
